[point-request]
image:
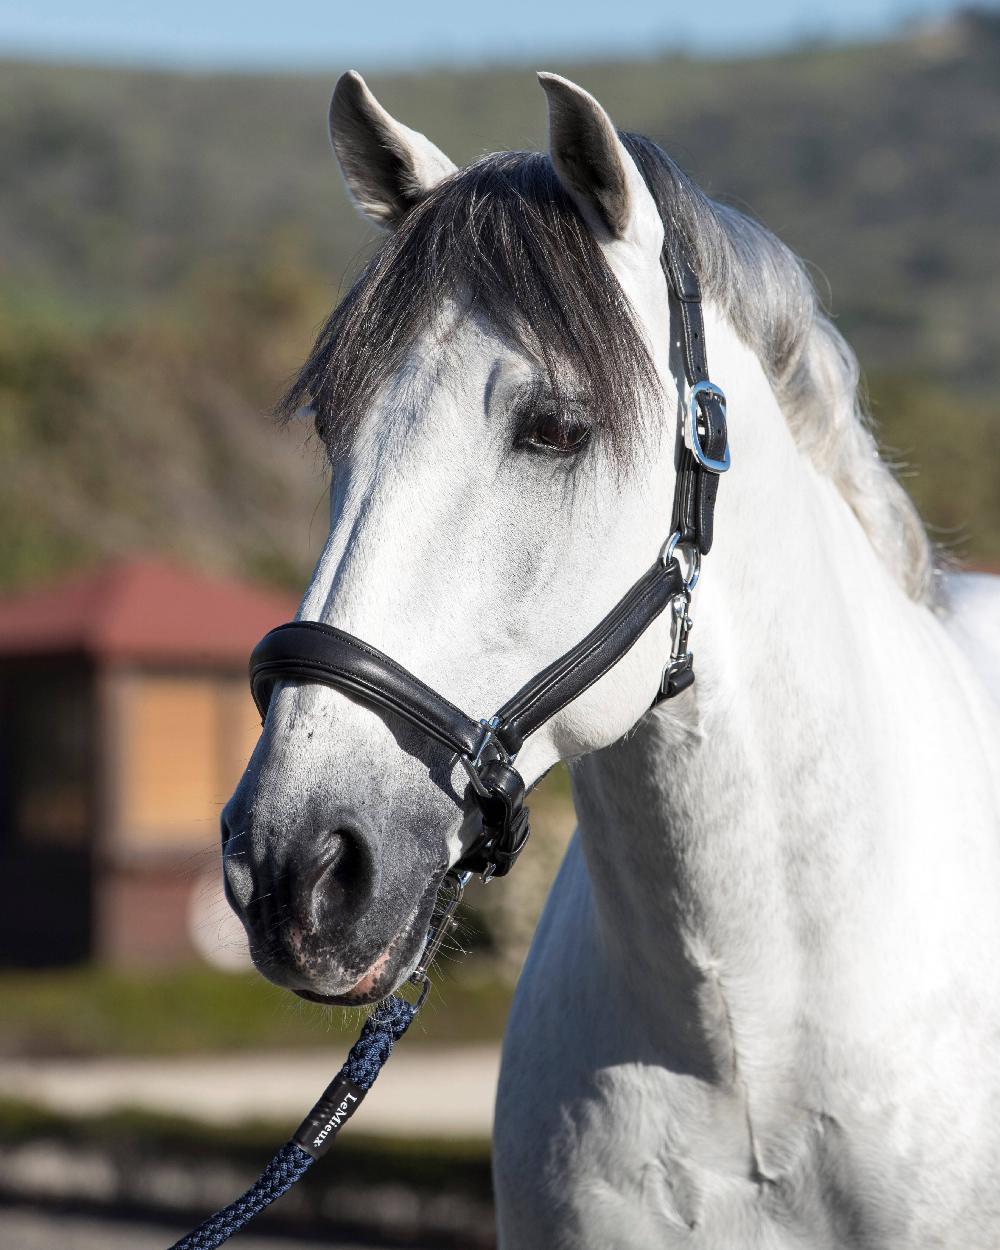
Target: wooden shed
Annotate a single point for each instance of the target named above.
(125, 721)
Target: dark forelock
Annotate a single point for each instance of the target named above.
(504, 238)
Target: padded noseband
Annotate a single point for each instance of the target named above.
(312, 651)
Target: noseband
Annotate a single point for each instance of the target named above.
(310, 651)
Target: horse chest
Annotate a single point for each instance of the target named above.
(634, 1158)
(600, 1143)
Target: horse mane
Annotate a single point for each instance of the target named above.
(767, 295)
(503, 237)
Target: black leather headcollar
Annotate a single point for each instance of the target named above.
(313, 652)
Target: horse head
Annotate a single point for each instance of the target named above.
(490, 393)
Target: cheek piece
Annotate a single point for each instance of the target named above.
(309, 651)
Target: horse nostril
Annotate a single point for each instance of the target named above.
(336, 849)
(341, 882)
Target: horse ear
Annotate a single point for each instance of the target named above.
(388, 168)
(595, 168)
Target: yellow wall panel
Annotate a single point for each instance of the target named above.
(171, 788)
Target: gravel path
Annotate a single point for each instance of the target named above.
(447, 1093)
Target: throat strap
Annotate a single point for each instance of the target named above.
(556, 686)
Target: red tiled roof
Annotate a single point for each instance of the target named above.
(142, 609)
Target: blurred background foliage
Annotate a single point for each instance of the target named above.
(169, 242)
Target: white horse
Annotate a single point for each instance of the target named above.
(763, 1005)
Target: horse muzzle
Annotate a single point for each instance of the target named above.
(327, 913)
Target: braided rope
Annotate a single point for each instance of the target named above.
(288, 1165)
(383, 1028)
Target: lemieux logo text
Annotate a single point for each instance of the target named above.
(336, 1120)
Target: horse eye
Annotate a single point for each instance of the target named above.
(557, 431)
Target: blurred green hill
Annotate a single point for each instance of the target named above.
(169, 243)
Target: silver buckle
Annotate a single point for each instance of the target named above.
(473, 764)
(693, 440)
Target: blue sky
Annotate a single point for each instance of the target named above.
(330, 34)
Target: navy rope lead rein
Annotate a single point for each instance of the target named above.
(342, 1097)
(314, 1136)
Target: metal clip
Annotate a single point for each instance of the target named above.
(693, 438)
(681, 658)
(685, 623)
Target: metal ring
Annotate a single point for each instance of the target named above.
(453, 886)
(691, 553)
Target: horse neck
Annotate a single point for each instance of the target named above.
(708, 832)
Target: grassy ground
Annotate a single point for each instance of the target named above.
(90, 1011)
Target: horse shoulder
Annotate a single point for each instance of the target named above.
(974, 623)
